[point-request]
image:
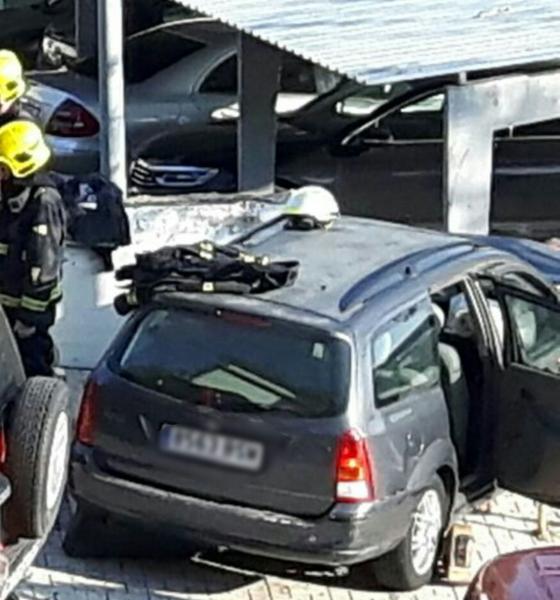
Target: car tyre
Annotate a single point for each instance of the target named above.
(411, 564)
(38, 442)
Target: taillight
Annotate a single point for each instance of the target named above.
(87, 419)
(354, 477)
(72, 120)
(3, 446)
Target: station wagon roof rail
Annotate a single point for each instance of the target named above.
(346, 266)
(395, 272)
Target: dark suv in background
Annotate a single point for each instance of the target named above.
(342, 420)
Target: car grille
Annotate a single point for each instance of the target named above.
(147, 175)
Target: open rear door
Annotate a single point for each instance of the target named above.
(528, 419)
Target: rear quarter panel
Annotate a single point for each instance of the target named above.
(422, 417)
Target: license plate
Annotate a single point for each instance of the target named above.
(211, 447)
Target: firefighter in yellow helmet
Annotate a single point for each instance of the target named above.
(12, 86)
(31, 243)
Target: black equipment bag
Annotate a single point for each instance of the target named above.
(201, 268)
(96, 215)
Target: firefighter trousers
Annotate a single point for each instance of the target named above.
(37, 351)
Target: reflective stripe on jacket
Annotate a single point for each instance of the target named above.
(31, 249)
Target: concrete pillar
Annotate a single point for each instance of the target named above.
(473, 113)
(468, 164)
(259, 76)
(111, 92)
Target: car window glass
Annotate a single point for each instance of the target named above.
(297, 77)
(223, 79)
(141, 62)
(522, 282)
(430, 105)
(545, 128)
(421, 120)
(325, 80)
(239, 363)
(369, 99)
(537, 331)
(405, 357)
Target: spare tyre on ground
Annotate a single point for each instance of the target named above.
(38, 443)
(35, 437)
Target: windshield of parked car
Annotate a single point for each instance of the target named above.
(141, 61)
(239, 363)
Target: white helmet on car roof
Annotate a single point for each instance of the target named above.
(313, 202)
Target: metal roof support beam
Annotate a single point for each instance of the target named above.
(474, 112)
(259, 74)
(111, 92)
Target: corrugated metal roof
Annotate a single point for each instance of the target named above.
(382, 41)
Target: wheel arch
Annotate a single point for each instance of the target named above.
(451, 484)
(440, 460)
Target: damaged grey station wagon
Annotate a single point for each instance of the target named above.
(345, 419)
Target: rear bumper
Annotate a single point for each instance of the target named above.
(346, 536)
(74, 156)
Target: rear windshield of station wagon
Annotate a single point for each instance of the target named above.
(239, 363)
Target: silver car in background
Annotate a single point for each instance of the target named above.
(179, 76)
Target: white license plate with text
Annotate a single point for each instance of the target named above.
(212, 447)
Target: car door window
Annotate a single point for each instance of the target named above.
(141, 61)
(543, 129)
(522, 282)
(431, 105)
(223, 79)
(370, 99)
(420, 120)
(514, 279)
(405, 357)
(297, 77)
(536, 329)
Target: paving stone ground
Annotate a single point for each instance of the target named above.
(510, 525)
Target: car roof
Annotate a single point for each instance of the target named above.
(192, 26)
(341, 267)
